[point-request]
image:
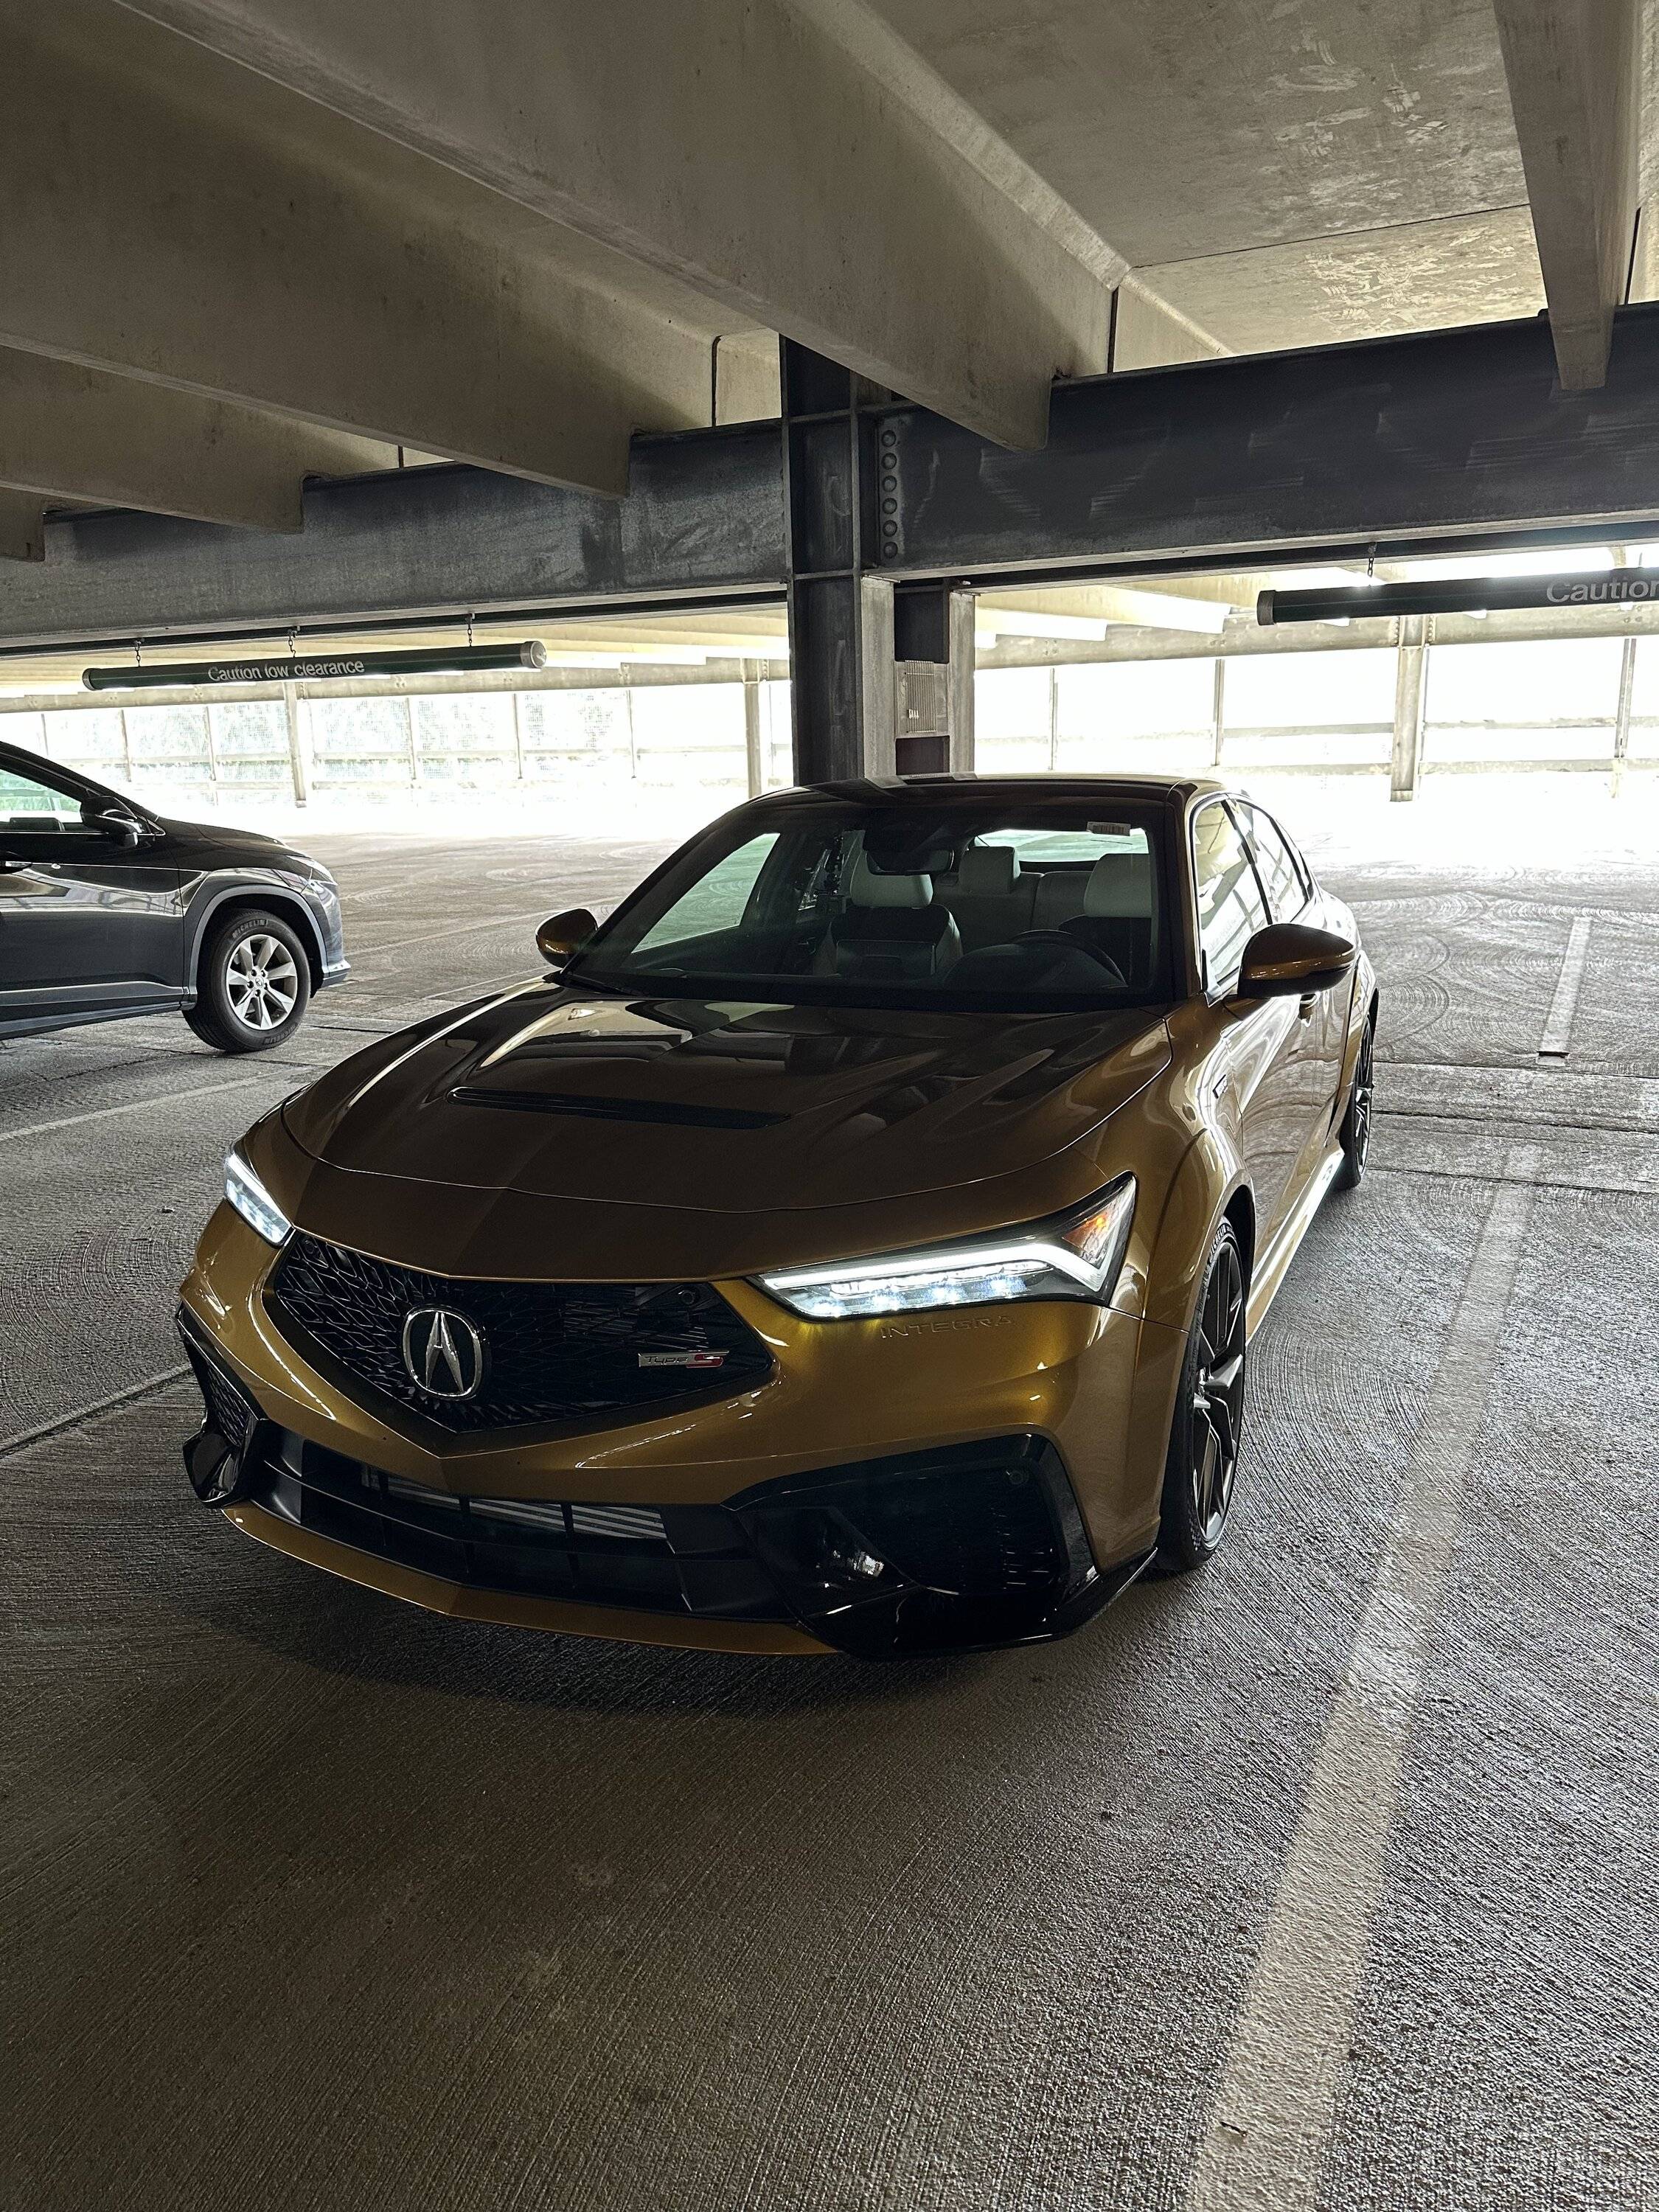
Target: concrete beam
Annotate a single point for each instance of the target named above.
(1574, 69)
(68, 433)
(22, 527)
(704, 517)
(166, 216)
(758, 153)
(1426, 444)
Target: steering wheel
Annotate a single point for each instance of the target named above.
(1075, 945)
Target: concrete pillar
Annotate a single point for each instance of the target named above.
(963, 655)
(518, 737)
(1621, 724)
(1409, 691)
(929, 675)
(1053, 720)
(299, 743)
(1219, 711)
(633, 736)
(411, 741)
(754, 751)
(882, 712)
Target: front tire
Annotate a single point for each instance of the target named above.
(1356, 1131)
(253, 985)
(1202, 1465)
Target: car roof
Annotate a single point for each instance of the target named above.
(933, 791)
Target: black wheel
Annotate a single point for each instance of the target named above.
(1357, 1121)
(1202, 1466)
(253, 986)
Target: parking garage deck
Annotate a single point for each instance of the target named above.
(314, 1897)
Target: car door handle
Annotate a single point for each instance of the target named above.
(11, 866)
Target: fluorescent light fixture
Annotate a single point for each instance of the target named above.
(318, 668)
(254, 1202)
(1075, 1255)
(1462, 595)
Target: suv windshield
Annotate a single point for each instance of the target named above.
(1021, 905)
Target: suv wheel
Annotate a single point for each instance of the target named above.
(253, 985)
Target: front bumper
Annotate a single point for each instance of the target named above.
(886, 1490)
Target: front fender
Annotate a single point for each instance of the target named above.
(210, 893)
(1362, 1007)
(1210, 1175)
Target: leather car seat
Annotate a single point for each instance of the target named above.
(1117, 914)
(889, 931)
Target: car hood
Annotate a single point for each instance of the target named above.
(225, 846)
(722, 1107)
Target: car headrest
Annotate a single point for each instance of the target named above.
(866, 888)
(988, 871)
(1120, 887)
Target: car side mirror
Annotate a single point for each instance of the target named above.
(561, 934)
(1289, 960)
(120, 828)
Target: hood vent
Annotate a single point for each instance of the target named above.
(617, 1110)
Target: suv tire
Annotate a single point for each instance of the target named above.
(253, 984)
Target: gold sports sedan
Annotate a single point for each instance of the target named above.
(854, 1243)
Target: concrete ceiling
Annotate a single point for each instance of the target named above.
(244, 240)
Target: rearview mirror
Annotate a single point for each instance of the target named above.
(1290, 960)
(561, 934)
(116, 826)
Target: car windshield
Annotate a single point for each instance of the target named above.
(1022, 906)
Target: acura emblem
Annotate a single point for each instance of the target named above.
(443, 1353)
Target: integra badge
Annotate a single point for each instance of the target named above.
(682, 1358)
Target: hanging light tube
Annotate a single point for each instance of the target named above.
(318, 668)
(1461, 595)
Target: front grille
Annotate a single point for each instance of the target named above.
(685, 1559)
(555, 1352)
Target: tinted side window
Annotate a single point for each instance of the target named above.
(1230, 907)
(28, 803)
(1286, 893)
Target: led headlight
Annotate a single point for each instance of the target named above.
(1070, 1255)
(254, 1202)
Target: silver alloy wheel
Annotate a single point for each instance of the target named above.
(262, 982)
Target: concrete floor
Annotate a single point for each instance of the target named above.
(1322, 1878)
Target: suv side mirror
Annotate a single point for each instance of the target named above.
(561, 934)
(1289, 960)
(116, 826)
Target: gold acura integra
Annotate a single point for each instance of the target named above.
(853, 1245)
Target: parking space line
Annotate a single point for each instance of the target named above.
(1558, 1028)
(1264, 2145)
(10, 1444)
(127, 1106)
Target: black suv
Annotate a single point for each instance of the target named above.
(107, 911)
